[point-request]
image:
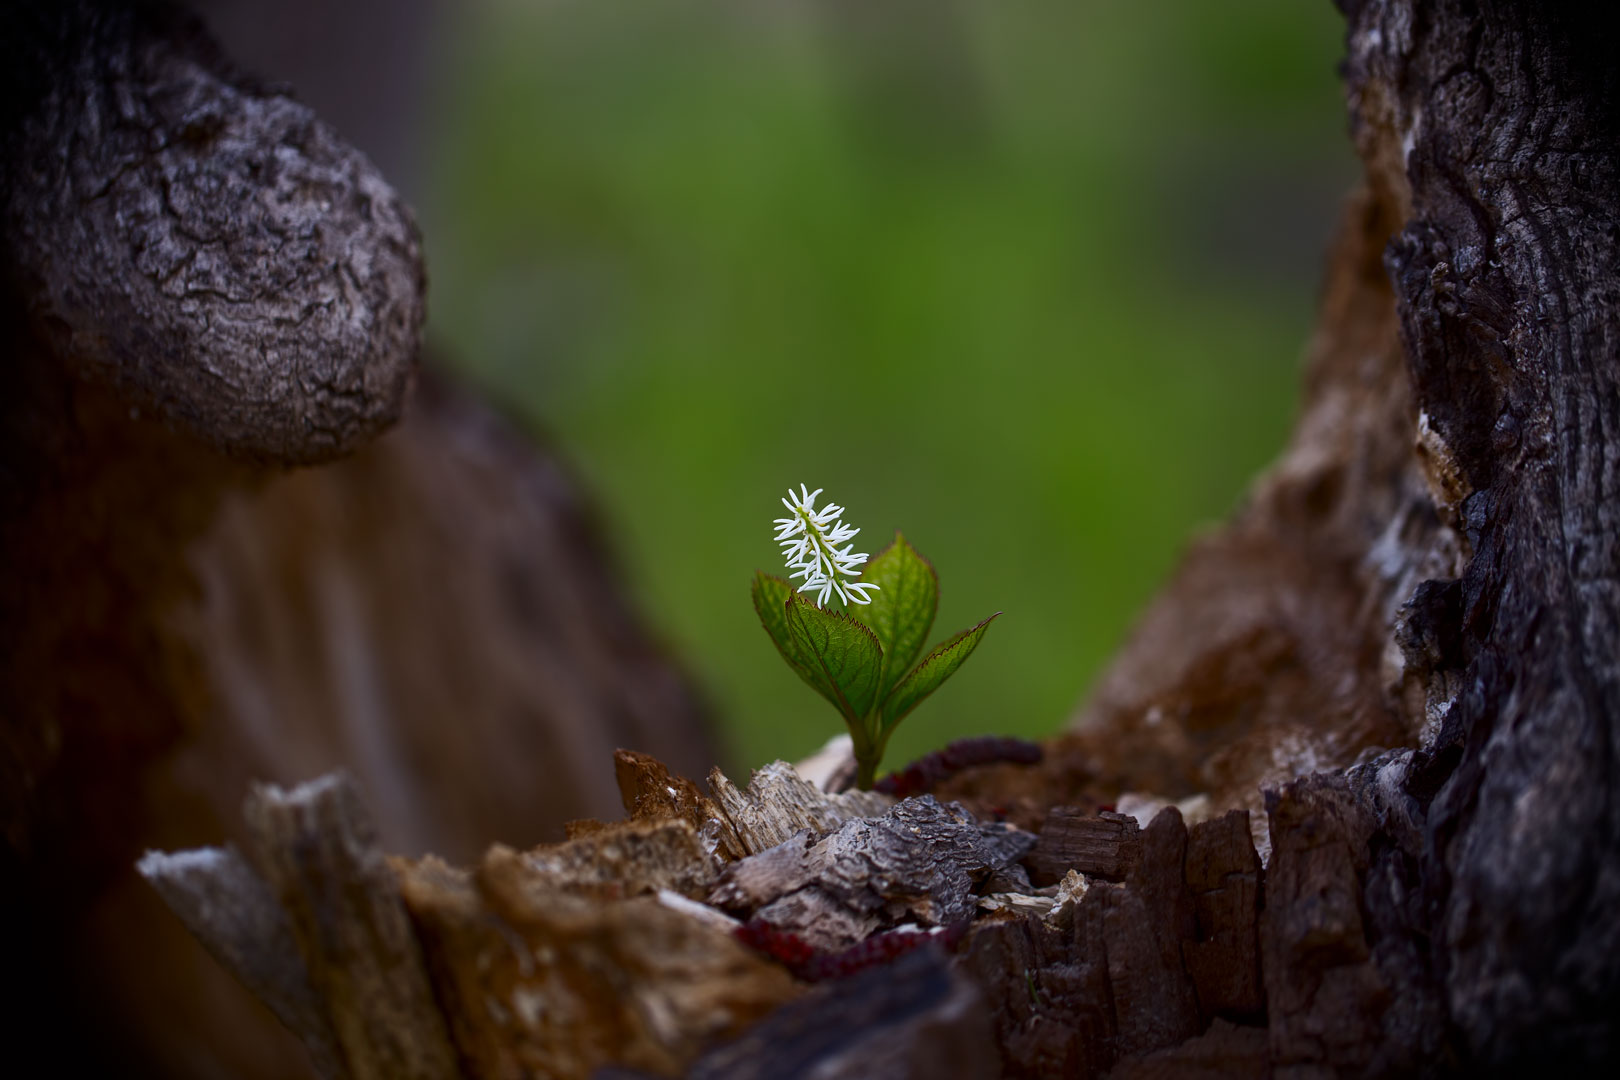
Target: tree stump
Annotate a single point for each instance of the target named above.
(202, 286)
(1367, 736)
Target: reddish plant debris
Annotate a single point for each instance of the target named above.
(923, 774)
(802, 959)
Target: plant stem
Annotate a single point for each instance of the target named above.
(865, 771)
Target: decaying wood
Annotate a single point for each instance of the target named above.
(538, 979)
(779, 802)
(1111, 977)
(583, 954)
(318, 848)
(207, 247)
(628, 859)
(233, 911)
(1224, 876)
(1105, 845)
(201, 284)
(569, 956)
(920, 861)
(1432, 564)
(1401, 650)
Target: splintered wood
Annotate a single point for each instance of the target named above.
(540, 980)
(918, 862)
(683, 940)
(601, 949)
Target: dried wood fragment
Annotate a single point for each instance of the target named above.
(1223, 872)
(920, 861)
(540, 981)
(230, 909)
(1046, 992)
(627, 858)
(1022, 904)
(1146, 925)
(779, 802)
(650, 791)
(1347, 969)
(1105, 845)
(318, 848)
(1103, 977)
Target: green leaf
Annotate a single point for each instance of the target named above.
(845, 655)
(771, 595)
(940, 664)
(902, 609)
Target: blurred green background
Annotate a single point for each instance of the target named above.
(1027, 279)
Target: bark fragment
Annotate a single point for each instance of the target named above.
(1105, 845)
(319, 851)
(231, 909)
(918, 861)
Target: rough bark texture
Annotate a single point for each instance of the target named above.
(201, 285)
(1433, 563)
(206, 246)
(318, 848)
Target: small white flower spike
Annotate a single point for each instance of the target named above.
(810, 539)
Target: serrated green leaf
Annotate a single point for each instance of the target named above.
(845, 653)
(771, 595)
(940, 664)
(902, 609)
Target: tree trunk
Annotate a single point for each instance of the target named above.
(1433, 563)
(202, 285)
(1399, 659)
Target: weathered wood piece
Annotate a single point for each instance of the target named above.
(201, 284)
(1505, 119)
(919, 861)
(779, 802)
(1348, 975)
(1435, 562)
(649, 791)
(1105, 845)
(318, 848)
(627, 859)
(541, 980)
(233, 912)
(1149, 922)
(1223, 873)
(1103, 978)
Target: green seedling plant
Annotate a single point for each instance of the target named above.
(867, 667)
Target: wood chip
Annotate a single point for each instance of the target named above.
(544, 982)
(920, 860)
(1105, 845)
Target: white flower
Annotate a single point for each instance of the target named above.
(810, 539)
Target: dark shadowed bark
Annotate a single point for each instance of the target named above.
(1434, 563)
(201, 286)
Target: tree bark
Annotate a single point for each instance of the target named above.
(202, 286)
(1433, 563)
(1399, 658)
